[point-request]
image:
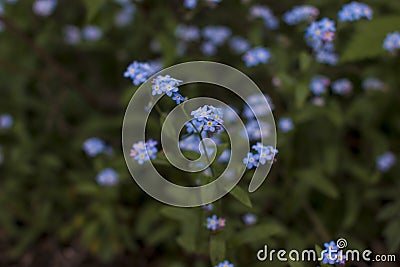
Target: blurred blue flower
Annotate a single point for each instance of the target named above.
(187, 33)
(263, 12)
(190, 4)
(392, 42)
(285, 124)
(144, 151)
(216, 35)
(93, 146)
(385, 161)
(255, 56)
(107, 177)
(139, 72)
(251, 160)
(355, 11)
(125, 15)
(225, 156)
(6, 121)
(319, 33)
(92, 33)
(239, 44)
(72, 34)
(319, 84)
(256, 130)
(208, 207)
(342, 86)
(225, 264)
(372, 83)
(208, 48)
(300, 14)
(257, 103)
(249, 219)
(44, 7)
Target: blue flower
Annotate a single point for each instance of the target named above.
(300, 14)
(340, 257)
(385, 161)
(372, 83)
(216, 35)
(107, 177)
(239, 44)
(208, 49)
(249, 219)
(257, 129)
(255, 56)
(208, 207)
(144, 151)
(44, 8)
(212, 223)
(355, 11)
(320, 32)
(251, 160)
(319, 84)
(72, 34)
(165, 84)
(125, 15)
(265, 153)
(392, 42)
(178, 98)
(187, 33)
(342, 86)
(225, 264)
(207, 118)
(6, 121)
(93, 146)
(92, 33)
(286, 124)
(257, 103)
(263, 12)
(139, 72)
(190, 4)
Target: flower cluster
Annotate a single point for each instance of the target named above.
(372, 83)
(187, 33)
(92, 33)
(44, 8)
(94, 146)
(263, 12)
(319, 36)
(258, 105)
(126, 14)
(256, 130)
(139, 72)
(355, 11)
(224, 264)
(333, 255)
(207, 118)
(144, 151)
(239, 44)
(300, 14)
(263, 155)
(285, 124)
(319, 84)
(249, 219)
(214, 223)
(385, 161)
(255, 56)
(342, 86)
(168, 85)
(392, 42)
(6, 121)
(107, 177)
(214, 36)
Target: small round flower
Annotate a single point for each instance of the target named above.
(125, 15)
(355, 11)
(263, 12)
(265, 153)
(327, 57)
(257, 130)
(44, 8)
(385, 161)
(392, 42)
(225, 264)
(255, 56)
(107, 177)
(249, 219)
(92, 33)
(208, 49)
(72, 34)
(6, 121)
(93, 146)
(187, 33)
(208, 207)
(372, 83)
(239, 44)
(178, 98)
(318, 33)
(319, 84)
(300, 14)
(139, 72)
(251, 160)
(285, 124)
(144, 151)
(212, 223)
(342, 86)
(190, 4)
(216, 35)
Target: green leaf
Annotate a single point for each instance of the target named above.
(258, 233)
(368, 38)
(93, 8)
(241, 195)
(305, 62)
(317, 180)
(217, 249)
